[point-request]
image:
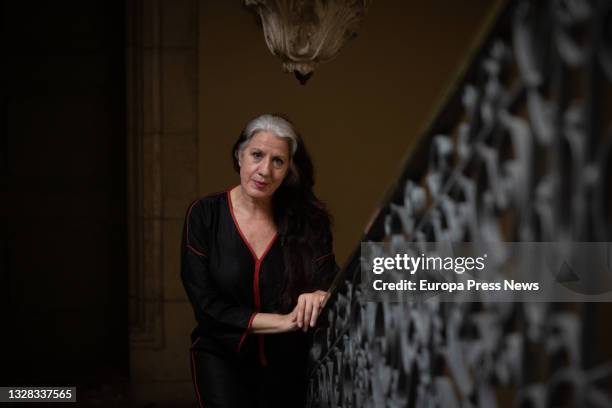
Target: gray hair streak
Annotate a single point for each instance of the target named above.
(274, 124)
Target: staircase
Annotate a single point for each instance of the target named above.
(520, 150)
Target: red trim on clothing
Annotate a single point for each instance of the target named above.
(246, 331)
(192, 249)
(258, 261)
(256, 294)
(187, 244)
(262, 355)
(323, 257)
(195, 380)
(244, 239)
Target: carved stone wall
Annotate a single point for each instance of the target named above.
(521, 150)
(162, 180)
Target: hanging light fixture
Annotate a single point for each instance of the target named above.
(305, 33)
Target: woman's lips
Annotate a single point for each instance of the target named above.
(260, 184)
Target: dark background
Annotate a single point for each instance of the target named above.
(63, 281)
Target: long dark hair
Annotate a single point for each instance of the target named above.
(302, 220)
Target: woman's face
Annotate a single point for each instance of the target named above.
(264, 163)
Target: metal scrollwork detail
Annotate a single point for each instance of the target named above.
(526, 157)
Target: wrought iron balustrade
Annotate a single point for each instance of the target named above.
(521, 150)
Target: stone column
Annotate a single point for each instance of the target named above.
(162, 150)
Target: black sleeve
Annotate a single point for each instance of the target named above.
(325, 265)
(230, 322)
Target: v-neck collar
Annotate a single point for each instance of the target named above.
(243, 237)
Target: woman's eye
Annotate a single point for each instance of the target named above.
(278, 162)
(256, 154)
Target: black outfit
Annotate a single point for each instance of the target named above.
(227, 285)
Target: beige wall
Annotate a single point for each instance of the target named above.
(358, 113)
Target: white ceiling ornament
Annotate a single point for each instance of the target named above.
(305, 33)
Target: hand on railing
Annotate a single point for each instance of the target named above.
(305, 313)
(308, 308)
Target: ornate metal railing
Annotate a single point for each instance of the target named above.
(520, 151)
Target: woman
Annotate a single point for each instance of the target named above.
(256, 262)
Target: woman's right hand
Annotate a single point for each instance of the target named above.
(290, 320)
(270, 323)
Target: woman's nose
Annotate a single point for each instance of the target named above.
(264, 168)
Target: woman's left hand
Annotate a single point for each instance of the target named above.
(308, 308)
